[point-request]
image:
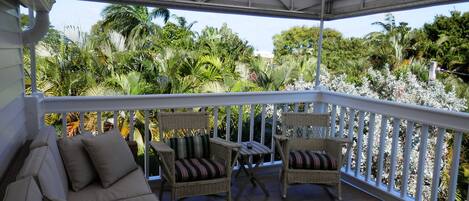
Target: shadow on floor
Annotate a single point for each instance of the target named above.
(303, 192)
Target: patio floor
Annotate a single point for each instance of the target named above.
(269, 176)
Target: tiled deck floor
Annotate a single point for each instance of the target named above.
(269, 177)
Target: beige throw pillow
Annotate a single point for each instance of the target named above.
(78, 164)
(111, 157)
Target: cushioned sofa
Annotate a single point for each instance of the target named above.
(44, 177)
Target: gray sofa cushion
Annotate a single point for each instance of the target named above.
(111, 157)
(48, 137)
(130, 186)
(78, 164)
(24, 189)
(147, 197)
(41, 165)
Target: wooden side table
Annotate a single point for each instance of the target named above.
(247, 166)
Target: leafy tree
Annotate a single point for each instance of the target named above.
(450, 42)
(133, 22)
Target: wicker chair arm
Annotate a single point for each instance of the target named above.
(333, 146)
(166, 158)
(280, 138)
(225, 151)
(225, 143)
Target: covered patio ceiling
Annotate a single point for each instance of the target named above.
(302, 9)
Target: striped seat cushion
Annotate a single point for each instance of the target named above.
(311, 160)
(196, 169)
(190, 146)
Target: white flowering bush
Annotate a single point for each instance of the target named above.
(406, 88)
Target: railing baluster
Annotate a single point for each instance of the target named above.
(263, 125)
(82, 122)
(361, 125)
(371, 140)
(395, 138)
(351, 125)
(437, 164)
(407, 150)
(64, 124)
(132, 125)
(421, 163)
(342, 121)
(382, 142)
(147, 132)
(455, 165)
(99, 122)
(240, 123)
(251, 123)
(215, 121)
(274, 131)
(333, 120)
(295, 108)
(228, 123)
(116, 121)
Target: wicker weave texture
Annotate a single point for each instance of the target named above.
(183, 120)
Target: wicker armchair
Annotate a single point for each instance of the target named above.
(221, 151)
(305, 138)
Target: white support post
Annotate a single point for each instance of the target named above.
(32, 52)
(251, 123)
(321, 25)
(132, 125)
(395, 137)
(421, 163)
(99, 122)
(82, 122)
(342, 121)
(147, 133)
(371, 140)
(437, 164)
(274, 131)
(240, 123)
(407, 150)
(333, 121)
(228, 123)
(263, 125)
(215, 121)
(382, 142)
(361, 128)
(455, 165)
(351, 125)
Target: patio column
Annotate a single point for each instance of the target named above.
(32, 53)
(321, 29)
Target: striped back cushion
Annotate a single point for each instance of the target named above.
(190, 146)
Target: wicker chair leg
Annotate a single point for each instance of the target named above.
(173, 195)
(228, 195)
(284, 185)
(160, 196)
(339, 191)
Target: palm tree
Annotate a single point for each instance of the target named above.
(133, 22)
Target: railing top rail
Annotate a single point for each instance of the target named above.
(417, 113)
(421, 114)
(162, 101)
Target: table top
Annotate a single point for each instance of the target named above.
(257, 149)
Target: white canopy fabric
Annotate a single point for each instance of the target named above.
(302, 9)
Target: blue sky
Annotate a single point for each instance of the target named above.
(257, 30)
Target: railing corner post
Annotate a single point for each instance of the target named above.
(34, 108)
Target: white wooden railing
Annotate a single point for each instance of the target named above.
(389, 172)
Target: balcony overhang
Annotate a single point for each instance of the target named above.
(300, 9)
